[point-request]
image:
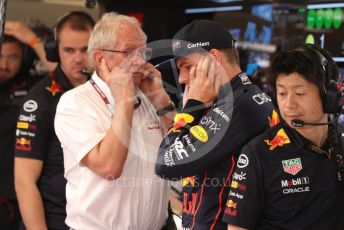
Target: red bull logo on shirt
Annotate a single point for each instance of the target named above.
(23, 144)
(23, 141)
(279, 140)
(231, 204)
(54, 88)
(180, 120)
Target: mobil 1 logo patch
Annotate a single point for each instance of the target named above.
(242, 161)
(30, 106)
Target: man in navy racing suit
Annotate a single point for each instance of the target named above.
(221, 112)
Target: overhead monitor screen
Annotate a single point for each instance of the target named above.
(263, 11)
(325, 28)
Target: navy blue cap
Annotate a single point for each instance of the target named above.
(201, 35)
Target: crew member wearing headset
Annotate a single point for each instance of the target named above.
(39, 179)
(291, 177)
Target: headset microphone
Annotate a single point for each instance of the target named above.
(86, 72)
(300, 123)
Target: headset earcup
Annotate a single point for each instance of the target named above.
(29, 57)
(51, 50)
(331, 97)
(331, 102)
(50, 44)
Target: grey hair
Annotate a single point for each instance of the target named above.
(105, 32)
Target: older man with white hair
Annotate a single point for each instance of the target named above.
(110, 133)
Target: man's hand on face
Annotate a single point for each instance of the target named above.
(120, 82)
(151, 85)
(204, 85)
(19, 31)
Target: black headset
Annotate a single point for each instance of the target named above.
(51, 43)
(329, 85)
(29, 56)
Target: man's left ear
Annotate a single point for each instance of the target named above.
(216, 53)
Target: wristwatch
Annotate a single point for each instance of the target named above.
(168, 108)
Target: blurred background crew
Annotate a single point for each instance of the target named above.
(39, 179)
(27, 36)
(16, 60)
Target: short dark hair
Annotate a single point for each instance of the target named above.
(76, 20)
(10, 38)
(306, 60)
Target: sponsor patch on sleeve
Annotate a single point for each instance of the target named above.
(22, 125)
(199, 133)
(30, 106)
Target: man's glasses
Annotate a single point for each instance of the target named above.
(144, 52)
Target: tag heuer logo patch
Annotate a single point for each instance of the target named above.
(292, 166)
